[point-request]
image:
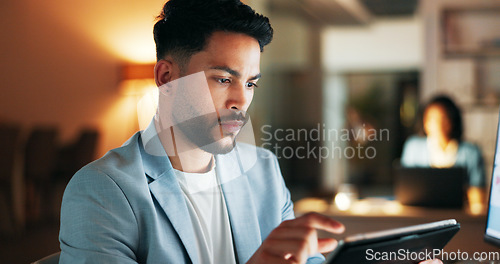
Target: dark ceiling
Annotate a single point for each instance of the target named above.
(390, 7)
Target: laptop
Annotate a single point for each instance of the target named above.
(431, 187)
(492, 230)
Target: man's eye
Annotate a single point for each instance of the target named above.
(252, 85)
(223, 80)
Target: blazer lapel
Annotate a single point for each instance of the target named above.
(166, 189)
(239, 201)
(168, 193)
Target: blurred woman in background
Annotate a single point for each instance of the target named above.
(443, 146)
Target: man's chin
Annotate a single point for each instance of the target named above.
(222, 146)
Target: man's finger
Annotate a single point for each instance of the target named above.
(317, 221)
(326, 245)
(292, 250)
(289, 232)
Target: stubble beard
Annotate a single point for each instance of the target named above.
(205, 132)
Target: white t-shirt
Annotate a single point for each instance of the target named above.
(208, 212)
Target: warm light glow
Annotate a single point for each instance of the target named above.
(134, 46)
(392, 208)
(137, 87)
(132, 111)
(376, 206)
(311, 205)
(147, 105)
(475, 196)
(476, 208)
(361, 207)
(138, 83)
(124, 29)
(145, 97)
(120, 119)
(347, 194)
(343, 201)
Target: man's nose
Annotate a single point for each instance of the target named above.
(238, 97)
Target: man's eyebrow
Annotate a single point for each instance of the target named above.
(233, 72)
(256, 77)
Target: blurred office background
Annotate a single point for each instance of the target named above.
(73, 71)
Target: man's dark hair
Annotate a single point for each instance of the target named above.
(452, 112)
(184, 26)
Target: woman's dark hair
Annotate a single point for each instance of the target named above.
(183, 26)
(452, 112)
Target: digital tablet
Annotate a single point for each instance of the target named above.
(401, 245)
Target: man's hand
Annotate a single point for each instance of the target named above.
(293, 241)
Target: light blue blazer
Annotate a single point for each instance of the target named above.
(127, 207)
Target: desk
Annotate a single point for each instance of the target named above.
(377, 214)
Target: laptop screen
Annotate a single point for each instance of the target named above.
(492, 234)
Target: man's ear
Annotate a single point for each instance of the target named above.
(166, 70)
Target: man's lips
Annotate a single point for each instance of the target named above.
(232, 126)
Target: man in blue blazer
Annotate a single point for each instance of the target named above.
(140, 204)
(182, 190)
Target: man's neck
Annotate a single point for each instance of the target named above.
(183, 155)
(194, 161)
